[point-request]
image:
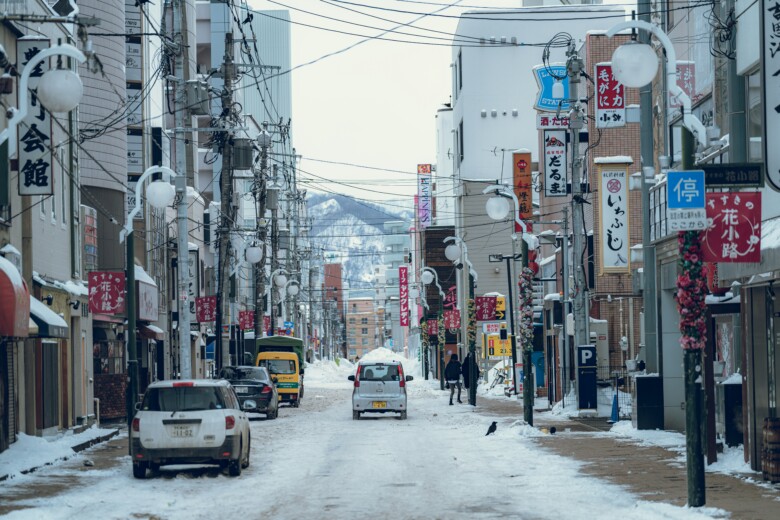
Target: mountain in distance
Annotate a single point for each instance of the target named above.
(350, 231)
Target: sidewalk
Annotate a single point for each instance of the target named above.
(30, 453)
(653, 473)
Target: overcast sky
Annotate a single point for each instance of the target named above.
(374, 104)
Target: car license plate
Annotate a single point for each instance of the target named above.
(242, 390)
(379, 404)
(180, 430)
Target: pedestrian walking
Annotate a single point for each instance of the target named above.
(452, 375)
(469, 364)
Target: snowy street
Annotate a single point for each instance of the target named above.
(317, 462)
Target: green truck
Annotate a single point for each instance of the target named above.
(254, 347)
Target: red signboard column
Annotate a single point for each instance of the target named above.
(403, 290)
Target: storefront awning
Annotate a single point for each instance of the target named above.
(50, 324)
(151, 332)
(100, 334)
(14, 302)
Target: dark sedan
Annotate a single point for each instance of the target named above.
(255, 390)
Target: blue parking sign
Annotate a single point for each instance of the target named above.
(685, 189)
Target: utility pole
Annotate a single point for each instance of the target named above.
(181, 118)
(274, 253)
(264, 140)
(225, 221)
(565, 301)
(581, 303)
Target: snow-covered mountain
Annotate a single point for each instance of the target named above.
(350, 231)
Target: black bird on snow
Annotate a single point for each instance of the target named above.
(248, 19)
(491, 429)
(553, 430)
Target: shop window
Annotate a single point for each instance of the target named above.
(755, 111)
(108, 357)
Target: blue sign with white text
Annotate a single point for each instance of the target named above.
(685, 189)
(546, 78)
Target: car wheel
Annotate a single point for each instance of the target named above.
(154, 467)
(355, 415)
(139, 469)
(235, 466)
(403, 415)
(296, 404)
(274, 414)
(248, 451)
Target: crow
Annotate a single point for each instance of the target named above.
(553, 430)
(138, 3)
(248, 19)
(491, 429)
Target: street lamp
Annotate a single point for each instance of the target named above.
(689, 241)
(454, 252)
(497, 208)
(278, 278)
(160, 194)
(59, 90)
(428, 277)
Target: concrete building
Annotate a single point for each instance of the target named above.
(365, 327)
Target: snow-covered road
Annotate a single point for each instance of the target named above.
(317, 462)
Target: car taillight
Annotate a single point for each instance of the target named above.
(230, 422)
(266, 390)
(183, 383)
(401, 380)
(136, 424)
(357, 377)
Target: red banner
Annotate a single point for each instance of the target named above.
(267, 324)
(246, 320)
(485, 307)
(521, 170)
(452, 319)
(106, 292)
(433, 327)
(734, 234)
(205, 308)
(403, 290)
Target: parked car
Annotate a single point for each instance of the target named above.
(255, 390)
(191, 421)
(380, 387)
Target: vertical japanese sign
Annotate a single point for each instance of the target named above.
(486, 308)
(267, 324)
(246, 320)
(770, 79)
(433, 327)
(205, 309)
(610, 98)
(106, 292)
(193, 287)
(403, 293)
(686, 80)
(613, 196)
(452, 319)
(734, 234)
(555, 167)
(521, 173)
(424, 199)
(35, 156)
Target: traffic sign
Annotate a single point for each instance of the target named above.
(685, 192)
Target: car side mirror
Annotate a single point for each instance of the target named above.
(409, 378)
(137, 406)
(300, 371)
(351, 378)
(275, 379)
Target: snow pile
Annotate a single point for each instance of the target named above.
(382, 354)
(328, 373)
(29, 452)
(670, 440)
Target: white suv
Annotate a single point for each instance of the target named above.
(196, 421)
(380, 387)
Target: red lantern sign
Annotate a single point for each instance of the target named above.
(485, 307)
(205, 308)
(734, 234)
(106, 292)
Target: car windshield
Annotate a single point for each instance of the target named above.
(236, 373)
(379, 373)
(279, 366)
(183, 399)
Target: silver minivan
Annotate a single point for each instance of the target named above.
(380, 387)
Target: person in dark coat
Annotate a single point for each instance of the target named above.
(452, 375)
(470, 363)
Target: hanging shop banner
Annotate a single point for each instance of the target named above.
(686, 80)
(613, 206)
(551, 122)
(246, 320)
(770, 80)
(610, 98)
(433, 327)
(452, 319)
(403, 292)
(734, 234)
(34, 130)
(424, 198)
(267, 324)
(486, 308)
(521, 173)
(106, 292)
(555, 166)
(205, 309)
